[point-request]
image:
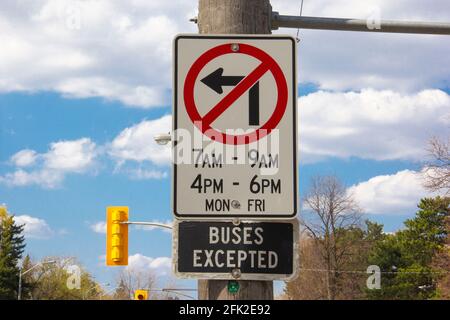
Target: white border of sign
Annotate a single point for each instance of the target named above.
(244, 276)
(217, 217)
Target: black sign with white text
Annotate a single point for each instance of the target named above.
(265, 248)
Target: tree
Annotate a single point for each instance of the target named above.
(132, 279)
(353, 280)
(406, 258)
(441, 261)
(121, 292)
(59, 281)
(12, 245)
(437, 171)
(27, 279)
(311, 284)
(334, 212)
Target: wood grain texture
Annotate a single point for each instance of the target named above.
(234, 17)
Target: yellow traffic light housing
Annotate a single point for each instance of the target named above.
(141, 295)
(116, 236)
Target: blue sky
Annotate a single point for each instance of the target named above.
(79, 107)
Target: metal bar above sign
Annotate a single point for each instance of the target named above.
(364, 25)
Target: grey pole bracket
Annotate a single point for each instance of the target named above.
(369, 25)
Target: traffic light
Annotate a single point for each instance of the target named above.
(141, 295)
(116, 236)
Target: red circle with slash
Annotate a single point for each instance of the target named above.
(204, 123)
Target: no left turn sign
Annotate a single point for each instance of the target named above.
(242, 84)
(235, 126)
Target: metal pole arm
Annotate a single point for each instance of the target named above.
(35, 266)
(152, 224)
(281, 21)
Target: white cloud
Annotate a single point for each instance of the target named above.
(24, 158)
(34, 227)
(43, 177)
(379, 125)
(111, 49)
(136, 143)
(160, 266)
(396, 194)
(73, 156)
(99, 227)
(96, 86)
(121, 50)
(400, 9)
(337, 60)
(134, 151)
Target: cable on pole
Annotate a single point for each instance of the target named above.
(298, 29)
(383, 272)
(151, 224)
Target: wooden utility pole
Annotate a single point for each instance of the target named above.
(234, 17)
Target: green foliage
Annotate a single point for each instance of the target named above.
(52, 282)
(353, 245)
(27, 281)
(407, 255)
(426, 233)
(12, 244)
(43, 281)
(374, 231)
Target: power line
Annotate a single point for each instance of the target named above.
(298, 30)
(366, 272)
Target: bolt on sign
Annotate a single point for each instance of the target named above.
(235, 127)
(249, 250)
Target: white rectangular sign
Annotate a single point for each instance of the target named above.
(235, 127)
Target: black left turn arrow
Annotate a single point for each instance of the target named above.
(216, 80)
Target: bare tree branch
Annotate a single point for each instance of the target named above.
(334, 209)
(437, 171)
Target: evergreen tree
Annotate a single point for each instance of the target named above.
(406, 257)
(28, 279)
(12, 244)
